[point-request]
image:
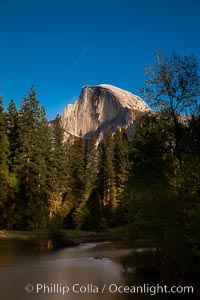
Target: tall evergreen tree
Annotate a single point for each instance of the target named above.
(58, 156)
(12, 118)
(31, 161)
(153, 211)
(106, 186)
(59, 206)
(92, 165)
(121, 169)
(77, 167)
(94, 219)
(28, 138)
(3, 137)
(13, 207)
(5, 183)
(109, 174)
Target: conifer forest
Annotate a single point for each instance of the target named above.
(147, 182)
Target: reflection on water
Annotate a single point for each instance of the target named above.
(82, 272)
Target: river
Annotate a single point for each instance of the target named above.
(87, 272)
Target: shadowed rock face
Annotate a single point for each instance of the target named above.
(100, 108)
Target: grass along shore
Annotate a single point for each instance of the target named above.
(66, 237)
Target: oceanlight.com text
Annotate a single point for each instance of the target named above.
(113, 288)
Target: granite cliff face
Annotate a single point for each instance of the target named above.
(100, 108)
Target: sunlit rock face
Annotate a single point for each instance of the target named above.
(100, 108)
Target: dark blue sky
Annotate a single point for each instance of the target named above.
(60, 45)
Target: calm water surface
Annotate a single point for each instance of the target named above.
(80, 272)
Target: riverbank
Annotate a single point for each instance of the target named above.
(64, 238)
(17, 235)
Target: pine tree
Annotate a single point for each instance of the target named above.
(76, 180)
(92, 165)
(109, 174)
(121, 169)
(31, 161)
(12, 118)
(106, 187)
(28, 138)
(59, 170)
(153, 210)
(4, 146)
(77, 169)
(59, 206)
(94, 219)
(13, 207)
(5, 184)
